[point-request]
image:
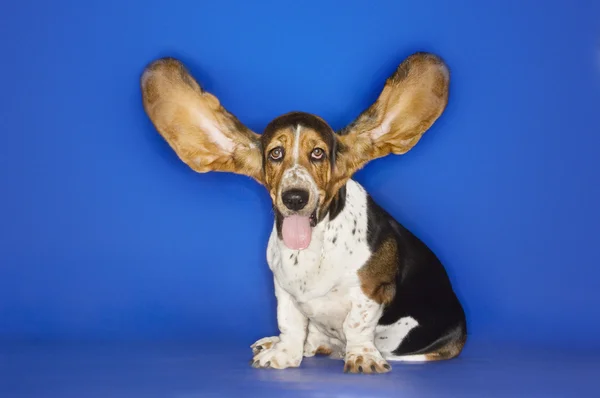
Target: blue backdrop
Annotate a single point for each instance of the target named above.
(105, 234)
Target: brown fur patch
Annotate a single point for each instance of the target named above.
(322, 350)
(189, 119)
(319, 170)
(378, 275)
(451, 350)
(273, 171)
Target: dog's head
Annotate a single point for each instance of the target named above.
(301, 161)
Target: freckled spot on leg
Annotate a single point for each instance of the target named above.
(322, 350)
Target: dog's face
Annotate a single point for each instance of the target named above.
(299, 158)
(299, 153)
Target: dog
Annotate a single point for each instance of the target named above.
(350, 281)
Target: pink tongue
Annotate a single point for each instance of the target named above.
(296, 232)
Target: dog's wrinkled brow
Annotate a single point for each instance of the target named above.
(294, 119)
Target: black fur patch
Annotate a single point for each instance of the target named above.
(423, 289)
(338, 203)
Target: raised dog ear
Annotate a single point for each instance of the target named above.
(412, 99)
(203, 133)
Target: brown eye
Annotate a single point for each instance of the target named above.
(276, 153)
(317, 154)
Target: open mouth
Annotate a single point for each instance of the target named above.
(296, 230)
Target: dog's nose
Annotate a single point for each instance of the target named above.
(295, 199)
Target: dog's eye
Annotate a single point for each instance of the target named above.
(276, 153)
(317, 154)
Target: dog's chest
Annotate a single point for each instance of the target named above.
(319, 278)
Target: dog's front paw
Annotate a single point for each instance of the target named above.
(264, 344)
(367, 360)
(272, 353)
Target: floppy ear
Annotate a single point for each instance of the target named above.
(204, 135)
(412, 99)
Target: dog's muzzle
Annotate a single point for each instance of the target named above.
(298, 193)
(297, 202)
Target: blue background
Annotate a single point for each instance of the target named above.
(105, 234)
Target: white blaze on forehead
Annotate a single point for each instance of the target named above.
(297, 176)
(296, 150)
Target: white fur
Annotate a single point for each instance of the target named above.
(389, 337)
(296, 150)
(320, 301)
(407, 358)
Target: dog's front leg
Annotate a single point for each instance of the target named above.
(285, 350)
(359, 327)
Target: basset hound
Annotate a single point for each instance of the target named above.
(350, 281)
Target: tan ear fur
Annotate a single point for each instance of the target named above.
(203, 133)
(412, 99)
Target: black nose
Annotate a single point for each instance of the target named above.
(295, 199)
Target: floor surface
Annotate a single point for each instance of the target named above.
(198, 370)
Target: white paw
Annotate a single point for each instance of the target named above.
(276, 355)
(365, 360)
(263, 344)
